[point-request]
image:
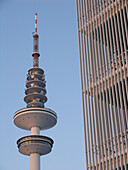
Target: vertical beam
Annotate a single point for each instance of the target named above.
(123, 43)
(105, 104)
(81, 77)
(108, 64)
(116, 41)
(89, 111)
(96, 98)
(93, 103)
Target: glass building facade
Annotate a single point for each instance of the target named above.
(103, 54)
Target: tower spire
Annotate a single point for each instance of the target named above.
(35, 23)
(35, 53)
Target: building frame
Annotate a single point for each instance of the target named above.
(103, 56)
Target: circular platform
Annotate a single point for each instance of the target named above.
(35, 104)
(33, 96)
(32, 76)
(37, 83)
(35, 89)
(35, 144)
(35, 69)
(29, 117)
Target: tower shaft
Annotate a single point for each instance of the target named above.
(34, 161)
(35, 130)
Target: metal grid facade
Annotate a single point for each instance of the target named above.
(103, 53)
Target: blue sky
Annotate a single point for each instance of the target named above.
(58, 46)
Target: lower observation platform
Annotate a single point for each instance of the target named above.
(35, 144)
(35, 117)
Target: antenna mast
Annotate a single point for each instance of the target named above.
(35, 53)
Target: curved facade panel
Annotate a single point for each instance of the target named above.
(103, 53)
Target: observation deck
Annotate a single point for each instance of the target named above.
(39, 117)
(35, 144)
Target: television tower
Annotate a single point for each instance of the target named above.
(35, 116)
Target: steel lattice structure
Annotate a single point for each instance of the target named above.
(103, 53)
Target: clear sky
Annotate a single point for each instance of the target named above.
(58, 46)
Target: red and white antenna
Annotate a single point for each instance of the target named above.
(35, 53)
(35, 23)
